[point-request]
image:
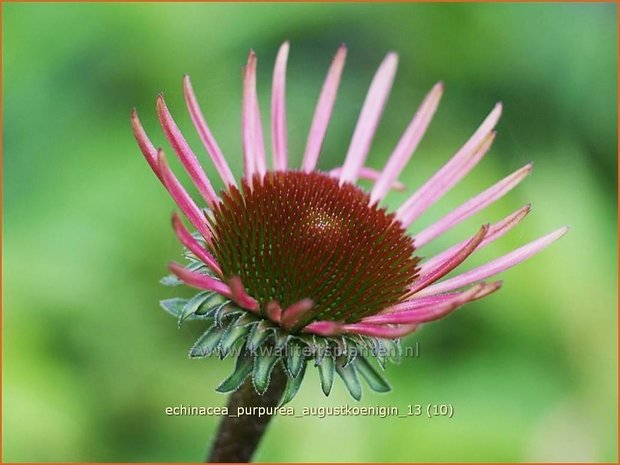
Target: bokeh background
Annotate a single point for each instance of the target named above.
(90, 361)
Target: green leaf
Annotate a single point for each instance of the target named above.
(351, 381)
(173, 306)
(243, 368)
(292, 386)
(232, 335)
(374, 379)
(295, 357)
(263, 366)
(260, 333)
(326, 374)
(207, 343)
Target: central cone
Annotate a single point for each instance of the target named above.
(300, 235)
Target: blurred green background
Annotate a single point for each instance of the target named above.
(90, 361)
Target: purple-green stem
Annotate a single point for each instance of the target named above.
(238, 437)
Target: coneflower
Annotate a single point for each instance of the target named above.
(299, 266)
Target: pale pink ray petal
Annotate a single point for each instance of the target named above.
(295, 312)
(385, 332)
(250, 117)
(407, 144)
(145, 144)
(472, 206)
(240, 296)
(434, 311)
(209, 142)
(425, 313)
(199, 280)
(259, 147)
(185, 154)
(192, 244)
(323, 328)
(369, 174)
(452, 172)
(278, 110)
(182, 198)
(450, 263)
(496, 231)
(323, 111)
(369, 119)
(416, 302)
(274, 311)
(496, 266)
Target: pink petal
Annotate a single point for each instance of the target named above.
(496, 231)
(323, 328)
(451, 263)
(278, 110)
(146, 146)
(386, 332)
(259, 147)
(369, 174)
(185, 154)
(274, 311)
(452, 172)
(496, 266)
(199, 280)
(240, 296)
(369, 119)
(407, 144)
(323, 111)
(192, 244)
(211, 146)
(182, 198)
(295, 312)
(250, 117)
(434, 311)
(472, 206)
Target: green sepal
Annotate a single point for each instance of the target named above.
(226, 310)
(233, 333)
(260, 333)
(193, 304)
(263, 365)
(295, 357)
(170, 280)
(351, 381)
(292, 386)
(374, 379)
(209, 307)
(321, 346)
(246, 319)
(326, 374)
(173, 306)
(394, 349)
(282, 339)
(207, 343)
(243, 368)
(352, 350)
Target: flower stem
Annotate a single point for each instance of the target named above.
(238, 436)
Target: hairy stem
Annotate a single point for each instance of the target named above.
(238, 437)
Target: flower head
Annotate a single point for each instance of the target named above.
(296, 264)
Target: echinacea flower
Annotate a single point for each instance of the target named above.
(297, 265)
